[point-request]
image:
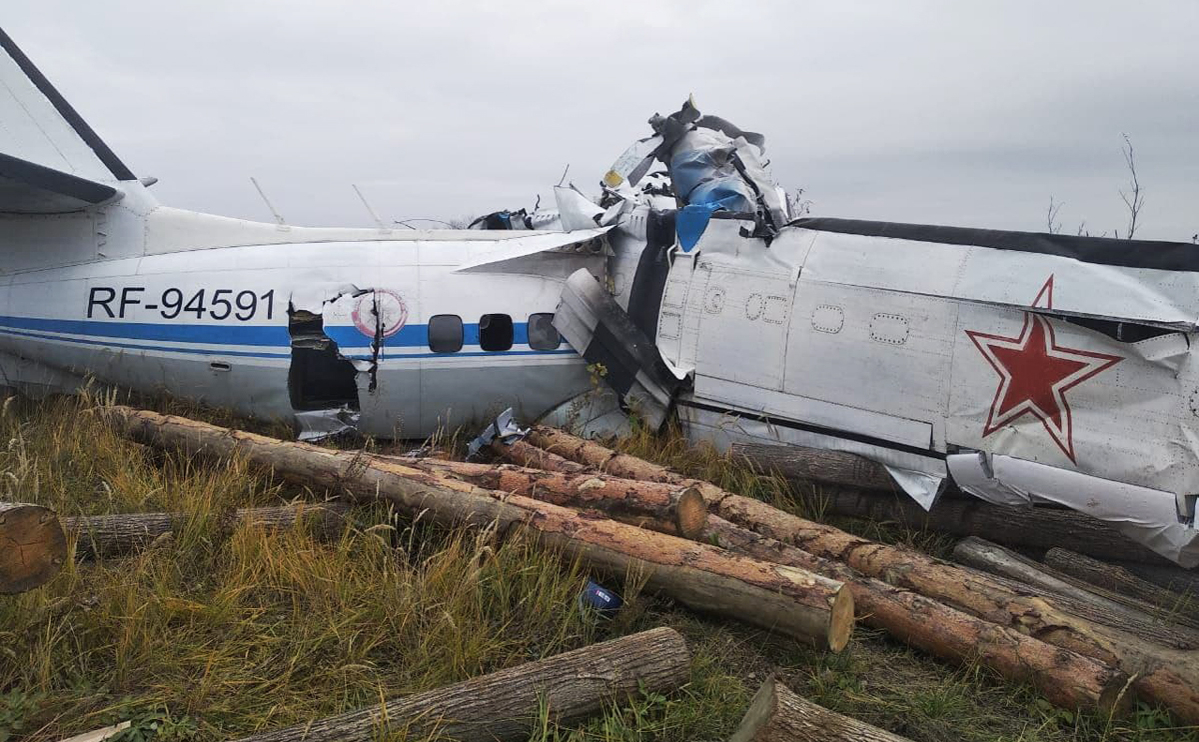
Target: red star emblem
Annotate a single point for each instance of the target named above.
(1035, 373)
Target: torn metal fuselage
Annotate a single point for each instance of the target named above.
(1023, 368)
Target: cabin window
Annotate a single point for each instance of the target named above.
(495, 332)
(445, 333)
(542, 333)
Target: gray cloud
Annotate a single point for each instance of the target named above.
(958, 113)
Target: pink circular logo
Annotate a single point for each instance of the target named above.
(383, 309)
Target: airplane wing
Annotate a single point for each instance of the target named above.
(29, 188)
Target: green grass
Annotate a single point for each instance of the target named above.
(226, 630)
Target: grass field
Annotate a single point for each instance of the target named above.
(222, 631)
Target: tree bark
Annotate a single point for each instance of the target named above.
(504, 705)
(667, 508)
(702, 577)
(1071, 595)
(33, 546)
(526, 454)
(1038, 527)
(777, 715)
(818, 465)
(589, 453)
(1166, 676)
(1113, 577)
(1065, 678)
(110, 535)
(1172, 577)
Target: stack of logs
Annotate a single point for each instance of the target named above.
(721, 553)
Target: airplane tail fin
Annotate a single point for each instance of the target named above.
(42, 130)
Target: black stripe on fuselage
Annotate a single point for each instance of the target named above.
(819, 429)
(1151, 254)
(85, 132)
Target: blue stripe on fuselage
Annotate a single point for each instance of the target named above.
(265, 335)
(273, 337)
(409, 336)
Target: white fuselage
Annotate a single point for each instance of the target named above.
(322, 320)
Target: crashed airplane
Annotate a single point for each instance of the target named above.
(1020, 367)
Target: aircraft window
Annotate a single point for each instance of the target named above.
(495, 332)
(542, 333)
(445, 333)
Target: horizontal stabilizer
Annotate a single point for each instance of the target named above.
(29, 188)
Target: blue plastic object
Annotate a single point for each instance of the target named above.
(601, 599)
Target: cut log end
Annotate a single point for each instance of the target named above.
(33, 547)
(777, 715)
(690, 513)
(761, 710)
(842, 620)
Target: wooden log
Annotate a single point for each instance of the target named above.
(526, 454)
(777, 715)
(663, 507)
(1115, 578)
(703, 577)
(1065, 678)
(111, 535)
(1165, 676)
(1071, 595)
(33, 546)
(1036, 528)
(503, 705)
(589, 453)
(818, 465)
(1173, 578)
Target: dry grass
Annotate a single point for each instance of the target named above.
(229, 630)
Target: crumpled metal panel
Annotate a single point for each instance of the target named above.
(315, 425)
(576, 211)
(921, 477)
(593, 323)
(1151, 517)
(590, 242)
(594, 413)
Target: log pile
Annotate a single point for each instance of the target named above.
(809, 607)
(1154, 665)
(863, 489)
(1083, 645)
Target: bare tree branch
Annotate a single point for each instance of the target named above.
(1136, 198)
(1051, 221)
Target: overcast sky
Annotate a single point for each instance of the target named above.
(965, 113)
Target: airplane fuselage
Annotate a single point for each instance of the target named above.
(392, 332)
